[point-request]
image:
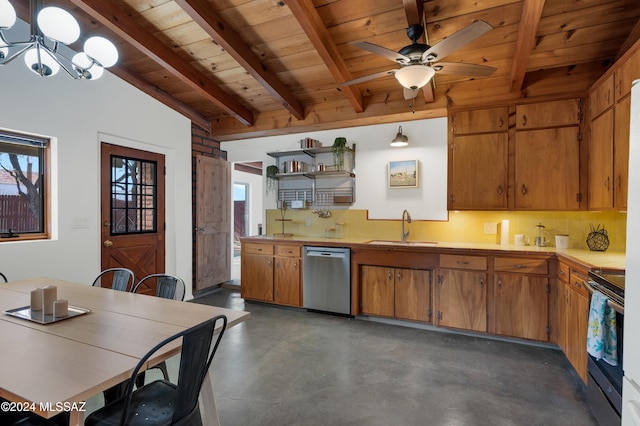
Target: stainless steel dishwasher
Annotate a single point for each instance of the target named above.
(326, 280)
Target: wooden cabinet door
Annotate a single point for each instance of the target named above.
(286, 281)
(378, 291)
(547, 172)
(413, 294)
(521, 306)
(478, 171)
(629, 71)
(479, 121)
(565, 112)
(621, 152)
(563, 302)
(601, 162)
(577, 316)
(461, 299)
(602, 97)
(257, 277)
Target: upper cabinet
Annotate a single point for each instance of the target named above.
(566, 112)
(532, 164)
(479, 121)
(609, 135)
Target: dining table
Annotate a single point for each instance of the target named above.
(51, 367)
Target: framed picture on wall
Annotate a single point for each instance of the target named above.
(403, 174)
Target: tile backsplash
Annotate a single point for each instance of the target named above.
(463, 226)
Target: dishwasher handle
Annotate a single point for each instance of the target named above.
(315, 253)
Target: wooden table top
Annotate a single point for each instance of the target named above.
(74, 359)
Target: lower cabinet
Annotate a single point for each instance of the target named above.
(396, 293)
(573, 316)
(271, 273)
(460, 299)
(521, 298)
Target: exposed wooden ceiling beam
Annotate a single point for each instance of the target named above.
(531, 13)
(415, 15)
(117, 20)
(161, 96)
(307, 15)
(633, 37)
(202, 13)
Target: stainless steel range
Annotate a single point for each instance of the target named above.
(604, 381)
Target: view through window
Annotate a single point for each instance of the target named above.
(23, 203)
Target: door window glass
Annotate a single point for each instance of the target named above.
(133, 196)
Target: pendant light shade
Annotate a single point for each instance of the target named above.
(84, 64)
(58, 25)
(102, 50)
(7, 15)
(400, 139)
(414, 76)
(41, 62)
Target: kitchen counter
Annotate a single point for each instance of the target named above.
(588, 258)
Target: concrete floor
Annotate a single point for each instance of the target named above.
(291, 367)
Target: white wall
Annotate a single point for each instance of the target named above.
(81, 114)
(427, 144)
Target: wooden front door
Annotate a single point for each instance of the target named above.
(132, 198)
(213, 221)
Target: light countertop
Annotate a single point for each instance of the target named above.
(591, 259)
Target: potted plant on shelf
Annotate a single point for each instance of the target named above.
(338, 148)
(272, 182)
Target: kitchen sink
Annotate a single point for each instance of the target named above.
(406, 243)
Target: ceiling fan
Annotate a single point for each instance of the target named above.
(419, 62)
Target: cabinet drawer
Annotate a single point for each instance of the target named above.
(521, 265)
(256, 248)
(578, 281)
(563, 272)
(478, 263)
(288, 250)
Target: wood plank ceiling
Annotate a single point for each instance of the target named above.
(248, 68)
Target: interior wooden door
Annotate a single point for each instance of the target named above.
(132, 198)
(213, 221)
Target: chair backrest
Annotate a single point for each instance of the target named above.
(123, 279)
(4, 277)
(195, 359)
(167, 286)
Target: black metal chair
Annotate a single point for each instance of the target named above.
(4, 277)
(168, 287)
(162, 402)
(122, 279)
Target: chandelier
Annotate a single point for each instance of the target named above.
(51, 26)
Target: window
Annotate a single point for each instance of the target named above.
(23, 195)
(133, 196)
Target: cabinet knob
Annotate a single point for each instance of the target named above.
(398, 276)
(524, 190)
(499, 283)
(500, 122)
(500, 190)
(524, 120)
(389, 276)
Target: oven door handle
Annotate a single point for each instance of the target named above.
(614, 305)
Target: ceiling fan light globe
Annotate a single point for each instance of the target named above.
(414, 76)
(101, 50)
(58, 25)
(45, 67)
(7, 15)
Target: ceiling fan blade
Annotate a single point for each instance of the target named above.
(459, 68)
(368, 77)
(455, 41)
(382, 51)
(409, 93)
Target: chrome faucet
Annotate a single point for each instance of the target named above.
(405, 216)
